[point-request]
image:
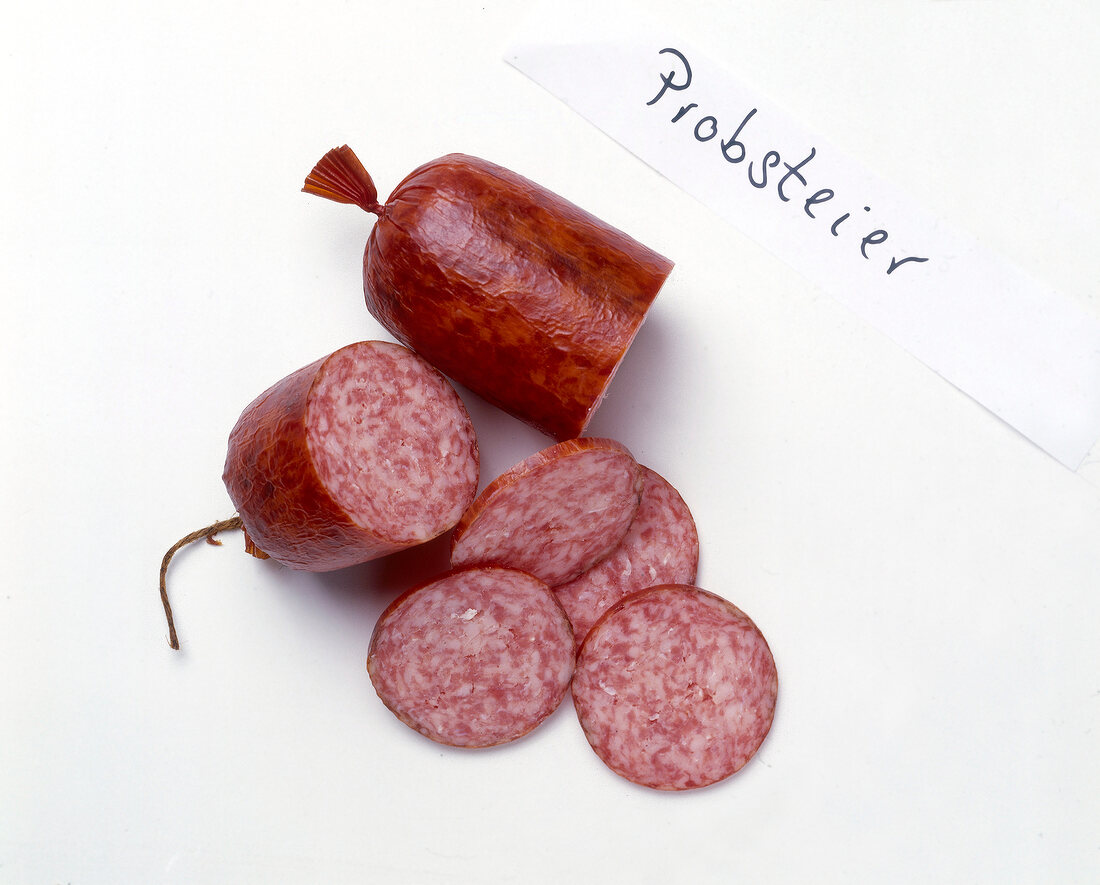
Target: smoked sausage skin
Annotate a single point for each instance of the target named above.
(506, 287)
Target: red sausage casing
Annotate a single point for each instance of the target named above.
(362, 453)
(506, 287)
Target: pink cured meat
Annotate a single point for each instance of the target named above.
(556, 513)
(474, 658)
(675, 688)
(661, 547)
(362, 453)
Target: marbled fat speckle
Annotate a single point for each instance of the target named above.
(675, 688)
(556, 513)
(475, 658)
(660, 547)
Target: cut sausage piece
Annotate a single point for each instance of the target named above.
(556, 513)
(661, 547)
(362, 453)
(509, 289)
(474, 658)
(675, 688)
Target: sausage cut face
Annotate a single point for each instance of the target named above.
(675, 688)
(386, 443)
(474, 658)
(661, 547)
(362, 453)
(556, 513)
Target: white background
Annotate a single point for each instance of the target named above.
(926, 577)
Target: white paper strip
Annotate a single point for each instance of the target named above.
(1024, 351)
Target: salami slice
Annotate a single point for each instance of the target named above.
(661, 547)
(362, 453)
(675, 688)
(556, 513)
(474, 658)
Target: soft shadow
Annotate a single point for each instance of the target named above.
(351, 599)
(384, 579)
(649, 382)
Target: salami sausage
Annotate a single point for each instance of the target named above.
(362, 453)
(474, 658)
(675, 688)
(556, 513)
(661, 547)
(504, 286)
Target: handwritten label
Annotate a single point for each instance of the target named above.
(734, 151)
(1022, 350)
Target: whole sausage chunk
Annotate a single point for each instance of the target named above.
(474, 658)
(675, 688)
(661, 547)
(504, 286)
(556, 513)
(362, 453)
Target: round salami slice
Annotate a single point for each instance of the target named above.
(675, 688)
(556, 513)
(661, 547)
(474, 658)
(362, 453)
